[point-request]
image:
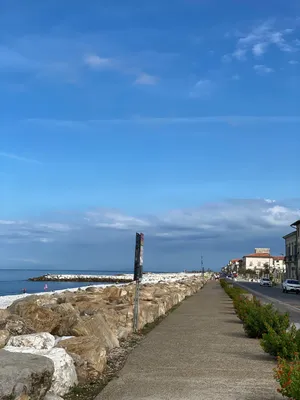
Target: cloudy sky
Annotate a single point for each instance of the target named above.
(178, 119)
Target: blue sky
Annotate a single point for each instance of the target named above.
(180, 119)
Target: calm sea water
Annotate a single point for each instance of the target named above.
(13, 281)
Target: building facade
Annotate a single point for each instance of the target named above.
(235, 264)
(258, 260)
(261, 259)
(292, 252)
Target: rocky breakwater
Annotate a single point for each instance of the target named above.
(55, 341)
(84, 278)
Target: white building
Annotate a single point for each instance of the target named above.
(235, 264)
(261, 259)
(279, 263)
(258, 259)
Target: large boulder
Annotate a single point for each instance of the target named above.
(4, 314)
(36, 312)
(4, 337)
(69, 316)
(64, 376)
(95, 326)
(114, 293)
(91, 306)
(16, 325)
(89, 356)
(46, 300)
(148, 313)
(24, 376)
(38, 341)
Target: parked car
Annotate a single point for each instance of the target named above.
(265, 282)
(291, 286)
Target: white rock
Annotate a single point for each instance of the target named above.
(64, 377)
(38, 341)
(52, 396)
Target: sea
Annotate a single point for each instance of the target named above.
(14, 281)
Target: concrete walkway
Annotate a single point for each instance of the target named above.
(199, 352)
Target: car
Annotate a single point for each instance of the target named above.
(291, 286)
(265, 282)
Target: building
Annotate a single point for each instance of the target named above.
(235, 264)
(292, 252)
(258, 259)
(261, 259)
(279, 263)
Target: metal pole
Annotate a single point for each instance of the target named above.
(202, 268)
(136, 306)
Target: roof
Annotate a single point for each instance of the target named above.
(295, 223)
(264, 255)
(235, 260)
(260, 255)
(290, 235)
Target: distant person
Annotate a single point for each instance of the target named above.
(46, 287)
(24, 290)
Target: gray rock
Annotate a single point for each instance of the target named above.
(24, 375)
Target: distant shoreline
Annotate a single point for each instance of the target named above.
(83, 278)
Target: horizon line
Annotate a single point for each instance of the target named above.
(230, 119)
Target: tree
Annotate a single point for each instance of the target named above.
(266, 269)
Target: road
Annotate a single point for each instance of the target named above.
(283, 302)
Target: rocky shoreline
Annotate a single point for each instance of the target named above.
(83, 278)
(72, 335)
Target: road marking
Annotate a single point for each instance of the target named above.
(271, 299)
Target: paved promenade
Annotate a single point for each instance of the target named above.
(199, 352)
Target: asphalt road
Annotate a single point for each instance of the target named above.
(283, 302)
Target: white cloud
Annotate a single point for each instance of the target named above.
(102, 237)
(262, 69)
(203, 88)
(146, 79)
(25, 260)
(236, 77)
(3, 222)
(239, 54)
(113, 219)
(245, 216)
(259, 49)
(270, 201)
(293, 62)
(94, 61)
(261, 37)
(19, 158)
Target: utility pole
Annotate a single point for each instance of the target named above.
(202, 268)
(138, 275)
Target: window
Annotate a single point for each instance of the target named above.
(251, 264)
(259, 264)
